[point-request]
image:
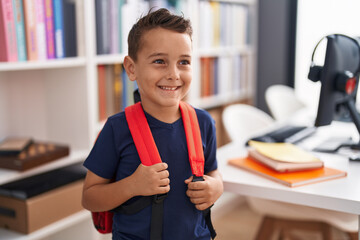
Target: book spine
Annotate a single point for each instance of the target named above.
(20, 29)
(120, 36)
(102, 92)
(30, 29)
(69, 17)
(109, 85)
(118, 88)
(40, 29)
(50, 32)
(59, 28)
(125, 84)
(114, 29)
(105, 26)
(8, 32)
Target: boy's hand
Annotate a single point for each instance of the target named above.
(151, 180)
(204, 193)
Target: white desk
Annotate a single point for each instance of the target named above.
(339, 194)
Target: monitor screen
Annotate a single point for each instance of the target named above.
(342, 55)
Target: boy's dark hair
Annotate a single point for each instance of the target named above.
(159, 18)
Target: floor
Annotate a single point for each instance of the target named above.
(242, 223)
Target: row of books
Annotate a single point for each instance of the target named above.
(37, 30)
(285, 163)
(115, 90)
(222, 75)
(114, 19)
(222, 24)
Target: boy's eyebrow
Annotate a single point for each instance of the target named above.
(164, 54)
(157, 54)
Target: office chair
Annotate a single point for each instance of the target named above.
(243, 121)
(282, 101)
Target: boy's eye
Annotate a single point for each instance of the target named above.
(184, 62)
(159, 61)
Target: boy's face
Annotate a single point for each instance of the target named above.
(163, 67)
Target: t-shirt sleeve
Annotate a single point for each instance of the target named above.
(103, 158)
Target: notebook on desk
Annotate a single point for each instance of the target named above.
(290, 179)
(287, 133)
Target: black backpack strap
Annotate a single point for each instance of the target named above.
(134, 207)
(207, 212)
(157, 212)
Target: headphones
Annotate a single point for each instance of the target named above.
(345, 81)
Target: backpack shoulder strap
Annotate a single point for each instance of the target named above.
(196, 153)
(193, 138)
(141, 134)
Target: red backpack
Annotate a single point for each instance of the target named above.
(149, 155)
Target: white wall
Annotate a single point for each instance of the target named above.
(316, 19)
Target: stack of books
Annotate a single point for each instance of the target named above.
(25, 153)
(285, 163)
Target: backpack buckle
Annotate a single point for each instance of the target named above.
(197, 178)
(158, 198)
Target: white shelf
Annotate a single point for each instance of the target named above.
(7, 175)
(47, 230)
(48, 64)
(220, 100)
(246, 2)
(109, 59)
(224, 51)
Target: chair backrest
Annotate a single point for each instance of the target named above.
(243, 121)
(282, 101)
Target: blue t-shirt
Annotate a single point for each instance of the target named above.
(114, 154)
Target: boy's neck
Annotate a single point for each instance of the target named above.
(164, 114)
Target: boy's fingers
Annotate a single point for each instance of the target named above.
(198, 200)
(194, 194)
(164, 182)
(202, 206)
(187, 181)
(196, 185)
(160, 167)
(164, 174)
(164, 189)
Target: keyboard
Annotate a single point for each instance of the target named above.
(287, 133)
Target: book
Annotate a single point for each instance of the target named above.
(59, 28)
(8, 48)
(69, 24)
(13, 146)
(109, 89)
(103, 18)
(114, 26)
(20, 29)
(118, 87)
(30, 29)
(290, 179)
(283, 157)
(50, 31)
(40, 29)
(36, 154)
(101, 92)
(35, 185)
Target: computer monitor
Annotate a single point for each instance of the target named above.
(339, 78)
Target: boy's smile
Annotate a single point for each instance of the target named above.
(163, 69)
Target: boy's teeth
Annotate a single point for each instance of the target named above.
(168, 88)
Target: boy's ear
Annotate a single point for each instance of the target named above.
(129, 66)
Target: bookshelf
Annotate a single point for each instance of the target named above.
(57, 99)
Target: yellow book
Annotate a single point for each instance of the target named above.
(283, 157)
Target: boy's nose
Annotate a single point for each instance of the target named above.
(173, 73)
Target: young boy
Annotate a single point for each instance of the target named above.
(159, 60)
